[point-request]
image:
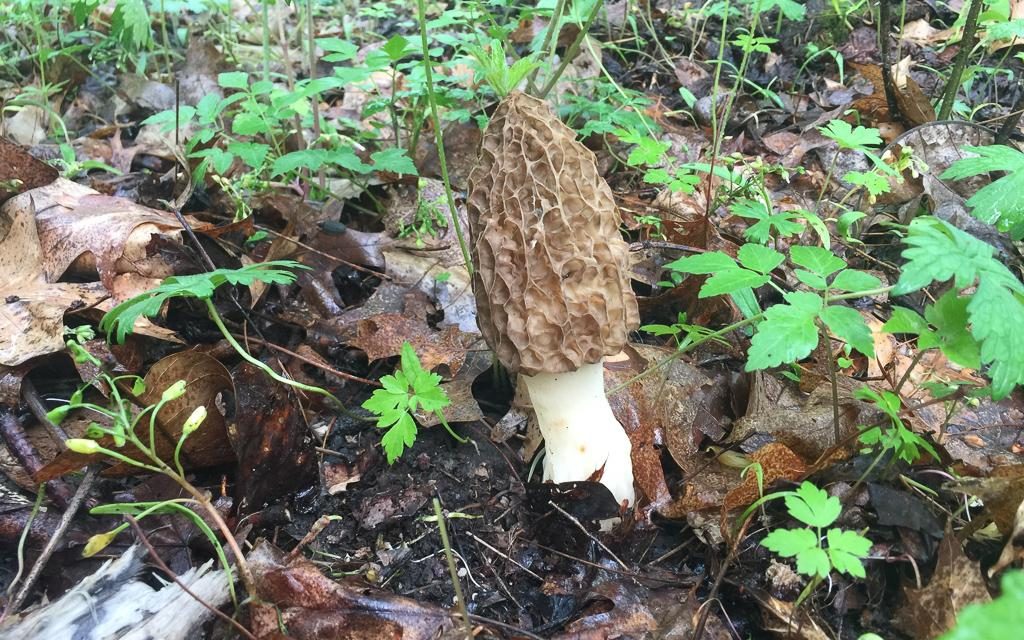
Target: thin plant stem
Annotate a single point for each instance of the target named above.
(453, 572)
(439, 137)
(831, 364)
(571, 52)
(966, 45)
(556, 18)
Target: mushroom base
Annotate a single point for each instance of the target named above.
(581, 434)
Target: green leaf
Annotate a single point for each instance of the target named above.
(233, 80)
(873, 182)
(1001, 202)
(849, 326)
(791, 9)
(907, 321)
(400, 435)
(847, 550)
(816, 259)
(130, 23)
(409, 388)
(118, 322)
(396, 48)
(938, 251)
(859, 139)
(813, 506)
(813, 562)
(394, 160)
(788, 543)
(950, 317)
(252, 153)
(761, 232)
(311, 159)
(759, 258)
(812, 280)
(731, 280)
(340, 50)
(787, 333)
(703, 263)
(1000, 618)
(853, 281)
(249, 124)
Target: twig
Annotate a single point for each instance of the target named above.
(505, 556)
(460, 599)
(311, 535)
(12, 434)
(55, 539)
(167, 570)
(38, 408)
(597, 540)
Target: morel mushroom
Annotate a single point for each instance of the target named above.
(552, 285)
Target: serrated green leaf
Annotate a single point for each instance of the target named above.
(847, 137)
(782, 222)
(394, 160)
(790, 542)
(759, 258)
(249, 124)
(252, 153)
(401, 435)
(787, 333)
(1001, 202)
(852, 280)
(938, 251)
(812, 280)
(848, 325)
(997, 321)
(813, 506)
(340, 49)
(846, 550)
(731, 280)
(816, 259)
(813, 562)
(311, 159)
(703, 263)
(875, 183)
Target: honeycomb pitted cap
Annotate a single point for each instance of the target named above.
(552, 279)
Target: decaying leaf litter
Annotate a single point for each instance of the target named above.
(788, 334)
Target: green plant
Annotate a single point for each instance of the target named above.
(939, 252)
(408, 389)
(428, 220)
(789, 331)
(129, 436)
(1002, 202)
(903, 443)
(684, 333)
(118, 322)
(1000, 618)
(818, 548)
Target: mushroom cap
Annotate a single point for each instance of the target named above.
(552, 279)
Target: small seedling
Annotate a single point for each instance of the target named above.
(844, 552)
(408, 389)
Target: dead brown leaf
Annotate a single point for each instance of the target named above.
(312, 606)
(956, 583)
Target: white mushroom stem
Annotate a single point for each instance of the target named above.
(581, 434)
